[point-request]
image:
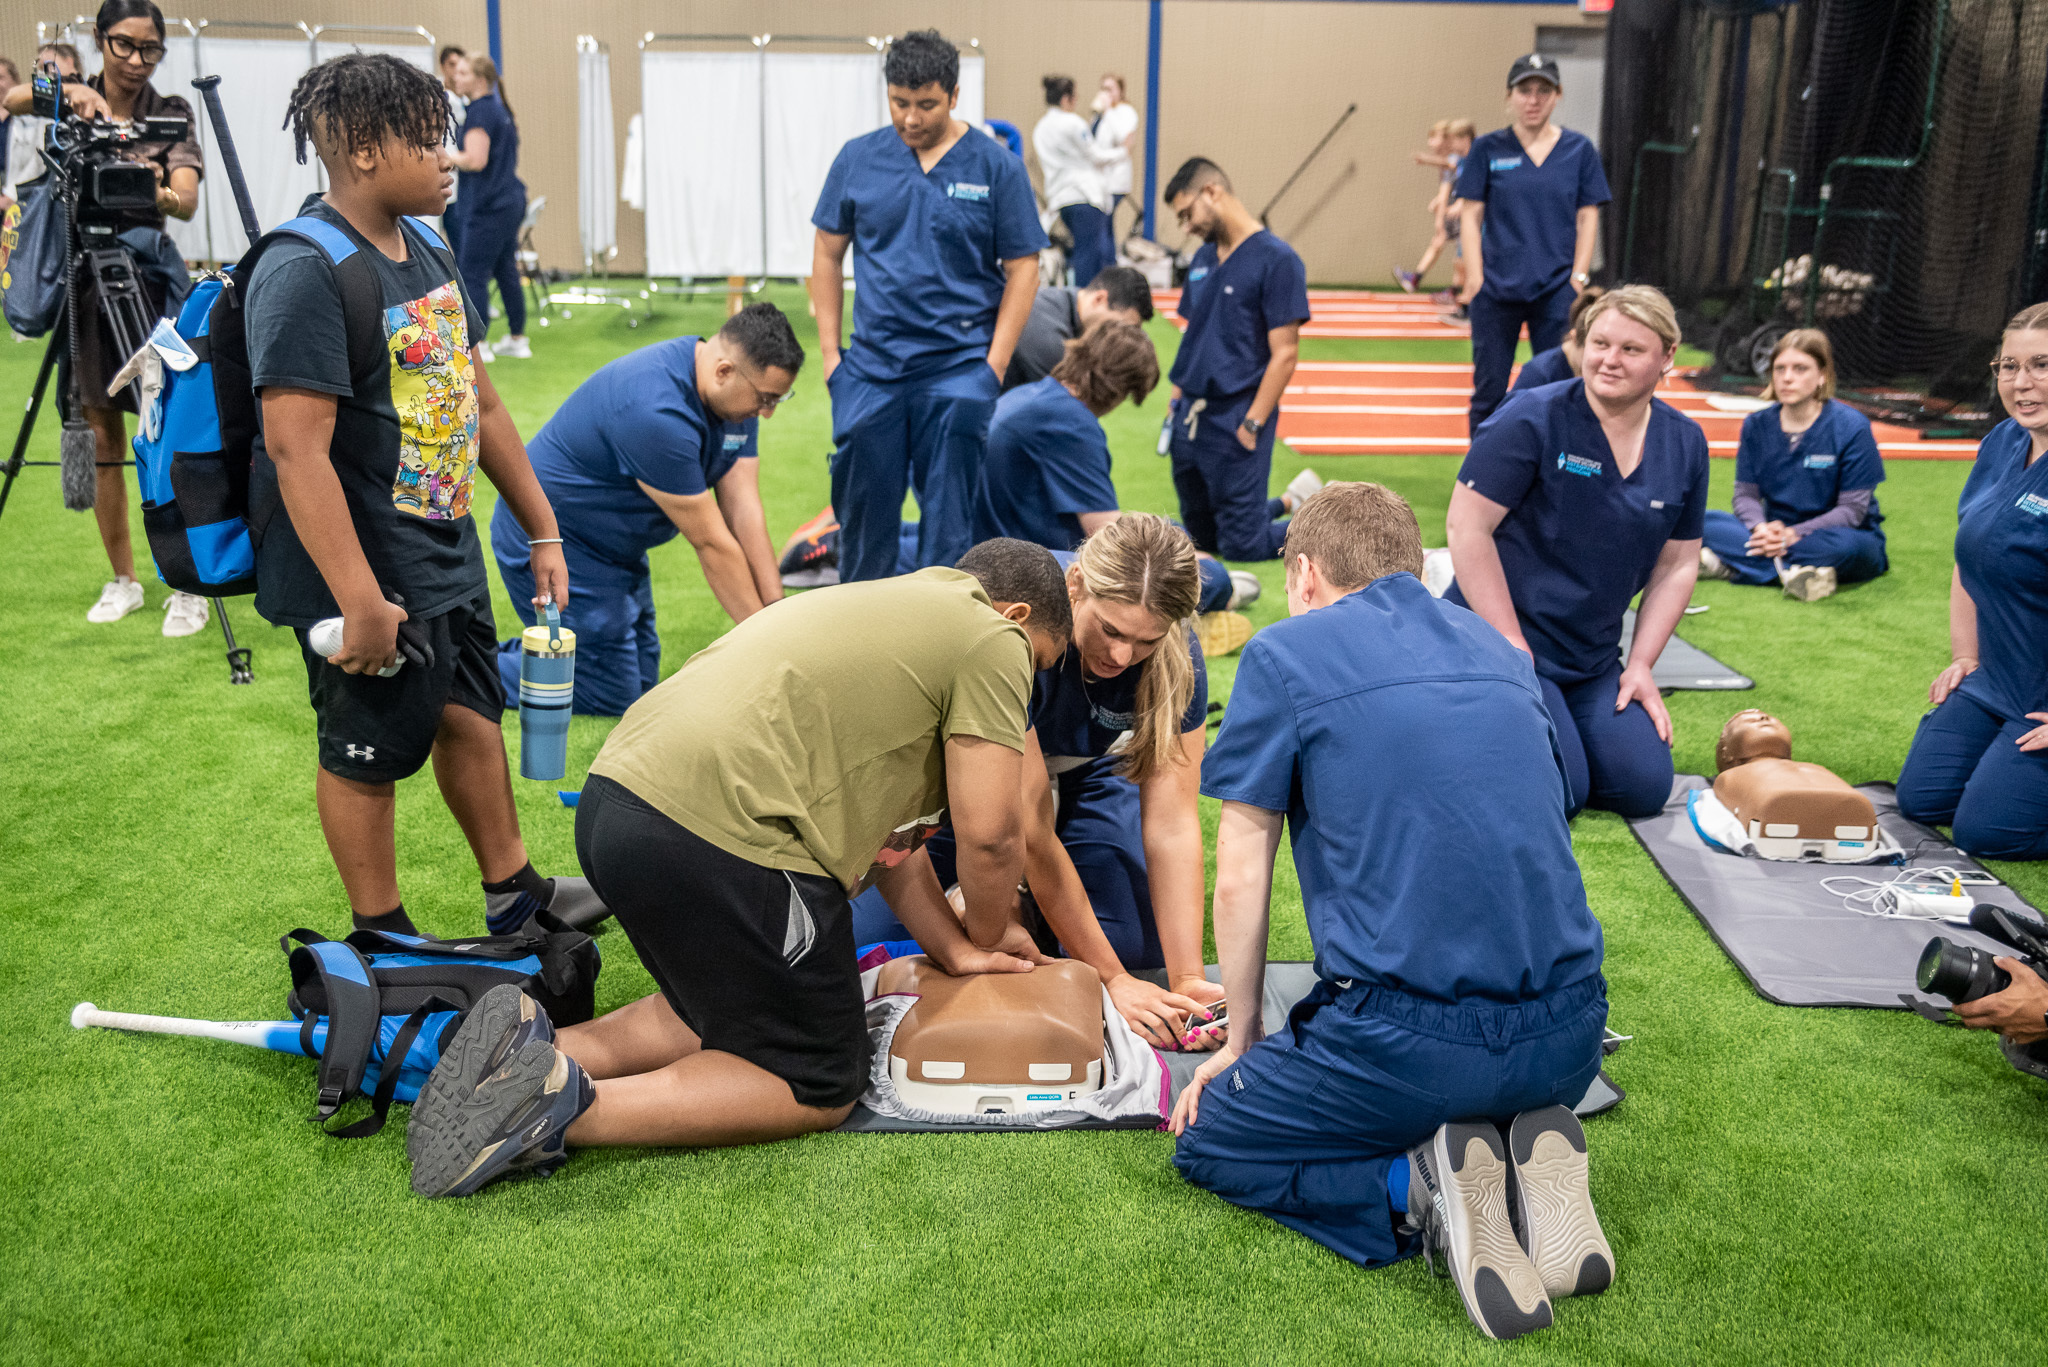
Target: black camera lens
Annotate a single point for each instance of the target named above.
(1962, 973)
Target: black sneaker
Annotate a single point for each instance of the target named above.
(1555, 1203)
(1460, 1176)
(504, 1021)
(512, 1123)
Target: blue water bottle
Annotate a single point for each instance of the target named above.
(547, 687)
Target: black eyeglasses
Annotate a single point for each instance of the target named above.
(124, 48)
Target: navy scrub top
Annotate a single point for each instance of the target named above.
(1545, 367)
(1531, 223)
(1579, 541)
(1047, 463)
(1457, 887)
(638, 418)
(1803, 474)
(495, 191)
(2002, 555)
(928, 248)
(1081, 718)
(1230, 306)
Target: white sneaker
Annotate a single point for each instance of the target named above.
(516, 347)
(1808, 583)
(1713, 567)
(1300, 489)
(484, 353)
(185, 614)
(117, 600)
(1437, 571)
(1244, 588)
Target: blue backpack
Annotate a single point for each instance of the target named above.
(194, 451)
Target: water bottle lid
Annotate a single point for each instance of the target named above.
(537, 641)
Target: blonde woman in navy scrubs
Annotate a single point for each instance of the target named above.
(1537, 190)
(1573, 499)
(1979, 762)
(1806, 477)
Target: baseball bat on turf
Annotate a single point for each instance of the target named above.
(278, 1036)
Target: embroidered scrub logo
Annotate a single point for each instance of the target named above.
(1820, 462)
(2033, 504)
(1503, 163)
(960, 189)
(735, 441)
(1198, 273)
(1577, 465)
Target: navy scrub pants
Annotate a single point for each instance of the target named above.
(927, 436)
(1967, 771)
(490, 251)
(1305, 1126)
(1612, 761)
(1222, 486)
(1094, 245)
(1496, 327)
(611, 610)
(1216, 585)
(1099, 825)
(1857, 553)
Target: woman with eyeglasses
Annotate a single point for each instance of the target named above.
(130, 35)
(660, 441)
(1979, 761)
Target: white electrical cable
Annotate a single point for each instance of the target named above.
(1915, 894)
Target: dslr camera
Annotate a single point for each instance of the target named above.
(1963, 973)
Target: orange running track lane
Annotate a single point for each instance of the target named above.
(1353, 408)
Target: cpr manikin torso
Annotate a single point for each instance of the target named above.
(1790, 809)
(994, 1042)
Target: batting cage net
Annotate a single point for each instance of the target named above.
(1869, 167)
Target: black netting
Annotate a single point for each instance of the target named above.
(1874, 167)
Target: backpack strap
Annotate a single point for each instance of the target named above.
(352, 1002)
(389, 1069)
(355, 276)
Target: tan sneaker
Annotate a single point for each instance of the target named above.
(1222, 633)
(1809, 583)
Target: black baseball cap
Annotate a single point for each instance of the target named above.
(1537, 65)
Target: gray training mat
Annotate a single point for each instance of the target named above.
(1287, 982)
(1793, 939)
(1684, 665)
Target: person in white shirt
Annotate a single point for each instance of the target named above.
(1072, 164)
(1115, 130)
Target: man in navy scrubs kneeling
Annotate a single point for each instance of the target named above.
(945, 229)
(1426, 1080)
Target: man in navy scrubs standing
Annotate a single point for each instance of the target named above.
(1537, 189)
(946, 268)
(1245, 300)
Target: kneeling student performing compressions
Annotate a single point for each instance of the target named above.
(728, 819)
(1574, 498)
(1806, 477)
(1426, 1080)
(656, 442)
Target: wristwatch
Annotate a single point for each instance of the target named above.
(1581, 278)
(1251, 424)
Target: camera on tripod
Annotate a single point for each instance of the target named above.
(1964, 973)
(97, 164)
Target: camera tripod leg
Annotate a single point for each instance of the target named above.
(239, 671)
(28, 418)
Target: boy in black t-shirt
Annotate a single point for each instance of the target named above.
(373, 470)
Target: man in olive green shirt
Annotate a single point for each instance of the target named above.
(728, 820)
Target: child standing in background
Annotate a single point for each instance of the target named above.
(1449, 141)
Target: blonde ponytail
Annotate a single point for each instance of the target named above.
(1144, 560)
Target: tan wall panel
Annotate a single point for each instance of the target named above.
(1250, 83)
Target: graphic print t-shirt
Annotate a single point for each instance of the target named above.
(405, 437)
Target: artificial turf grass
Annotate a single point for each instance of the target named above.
(1781, 1184)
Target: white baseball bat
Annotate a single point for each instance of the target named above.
(280, 1036)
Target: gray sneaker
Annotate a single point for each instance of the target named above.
(515, 1121)
(504, 1021)
(1458, 1199)
(1555, 1204)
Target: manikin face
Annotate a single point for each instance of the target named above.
(1111, 637)
(1532, 99)
(922, 116)
(1795, 377)
(1623, 360)
(2024, 396)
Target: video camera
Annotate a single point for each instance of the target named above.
(96, 162)
(1963, 973)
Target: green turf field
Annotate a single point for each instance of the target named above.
(1781, 1185)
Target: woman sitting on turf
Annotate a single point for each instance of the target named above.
(1112, 766)
(1806, 477)
(1979, 761)
(1575, 498)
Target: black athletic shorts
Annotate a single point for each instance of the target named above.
(757, 961)
(377, 730)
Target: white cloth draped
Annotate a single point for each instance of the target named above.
(597, 197)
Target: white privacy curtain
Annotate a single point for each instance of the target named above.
(597, 194)
(816, 101)
(703, 152)
(174, 77)
(973, 99)
(256, 80)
